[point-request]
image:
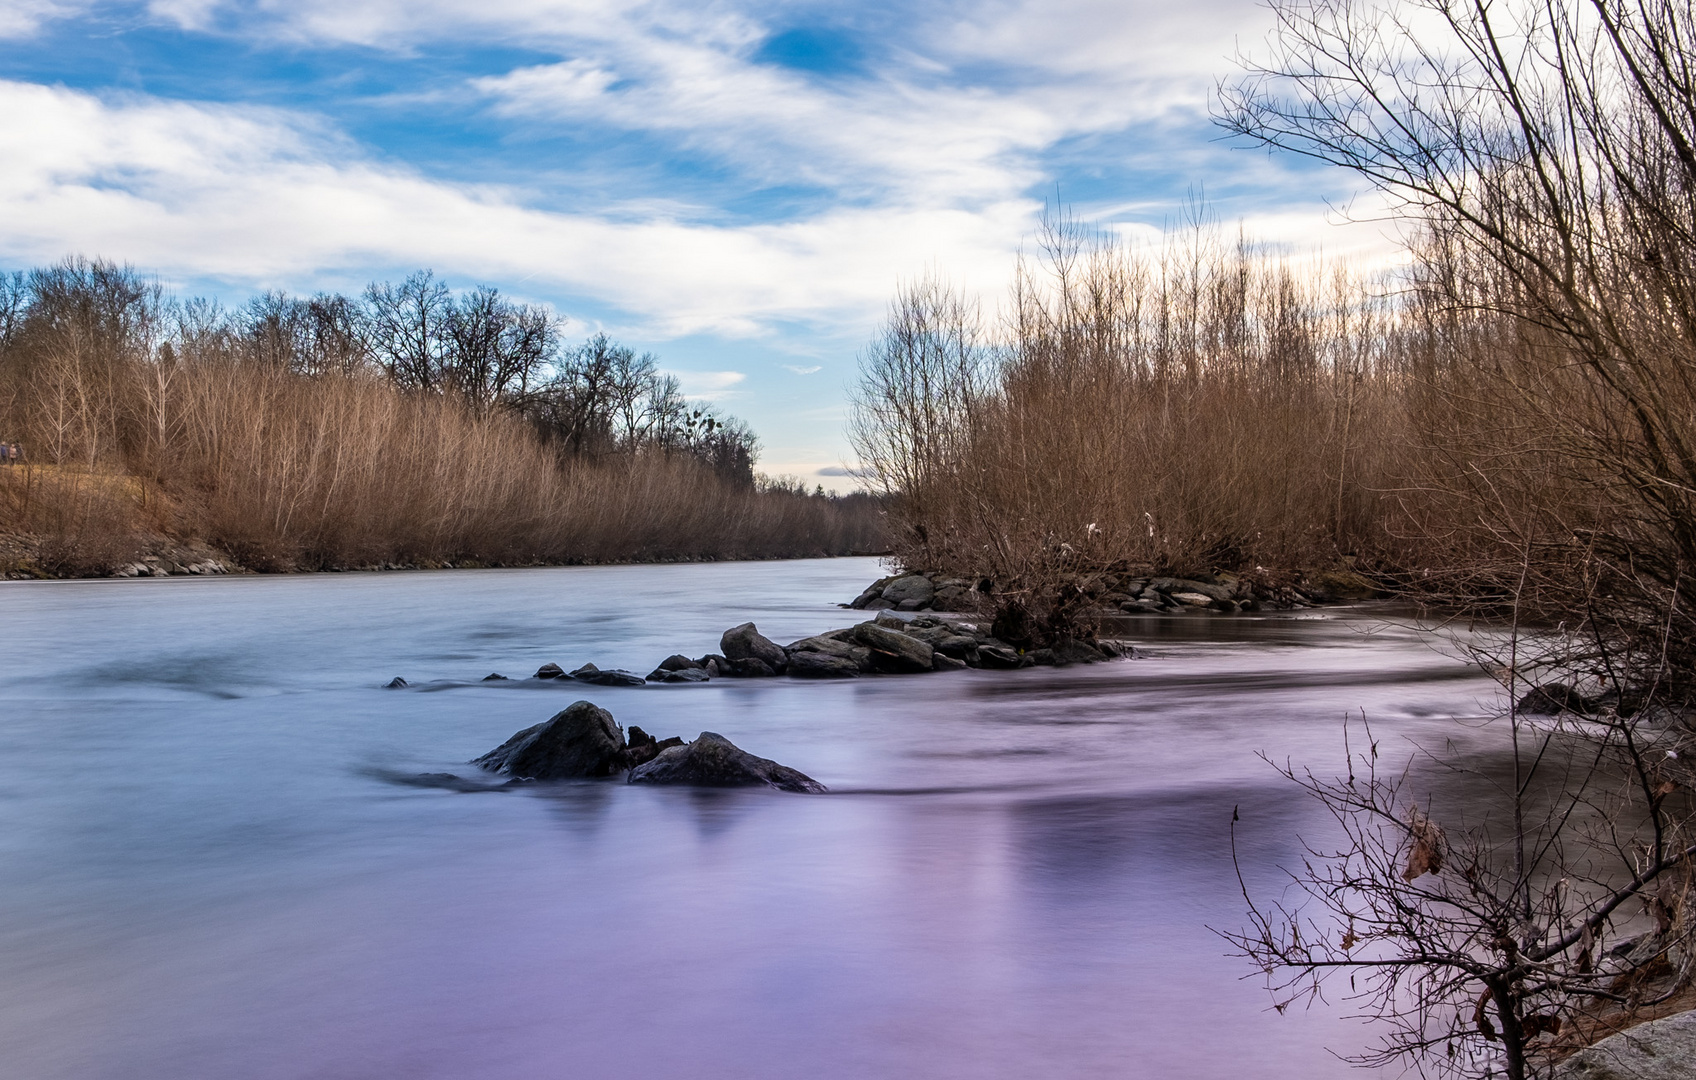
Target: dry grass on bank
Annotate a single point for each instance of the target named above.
(284, 472)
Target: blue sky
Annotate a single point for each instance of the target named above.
(738, 187)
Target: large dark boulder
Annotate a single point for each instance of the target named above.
(714, 761)
(550, 671)
(893, 651)
(807, 664)
(874, 591)
(749, 667)
(745, 642)
(910, 592)
(581, 740)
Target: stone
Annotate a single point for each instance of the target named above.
(954, 597)
(943, 662)
(495, 676)
(821, 665)
(610, 677)
(1192, 599)
(550, 671)
(1076, 652)
(643, 747)
(879, 604)
(822, 643)
(687, 675)
(714, 761)
(750, 667)
(893, 651)
(1329, 586)
(396, 683)
(1173, 586)
(584, 671)
(874, 591)
(1657, 1050)
(914, 589)
(580, 740)
(999, 657)
(678, 662)
(745, 642)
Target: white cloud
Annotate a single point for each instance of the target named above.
(708, 385)
(22, 18)
(262, 197)
(815, 369)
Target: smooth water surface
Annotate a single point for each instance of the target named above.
(208, 869)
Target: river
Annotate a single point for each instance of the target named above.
(208, 871)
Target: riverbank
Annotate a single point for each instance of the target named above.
(64, 522)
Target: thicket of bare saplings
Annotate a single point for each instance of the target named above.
(1198, 407)
(411, 425)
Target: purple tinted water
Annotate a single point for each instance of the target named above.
(206, 870)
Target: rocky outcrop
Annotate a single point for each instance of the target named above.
(745, 642)
(714, 761)
(581, 740)
(1126, 594)
(1656, 1050)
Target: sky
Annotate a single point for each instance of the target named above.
(738, 187)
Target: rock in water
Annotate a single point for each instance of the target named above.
(818, 665)
(396, 683)
(1658, 1050)
(612, 677)
(582, 740)
(910, 592)
(550, 671)
(714, 761)
(893, 651)
(745, 642)
(687, 675)
(495, 676)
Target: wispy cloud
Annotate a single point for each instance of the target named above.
(709, 385)
(23, 18)
(804, 370)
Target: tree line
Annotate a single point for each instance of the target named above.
(477, 348)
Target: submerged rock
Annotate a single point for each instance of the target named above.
(396, 683)
(550, 671)
(580, 740)
(745, 642)
(495, 676)
(714, 761)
